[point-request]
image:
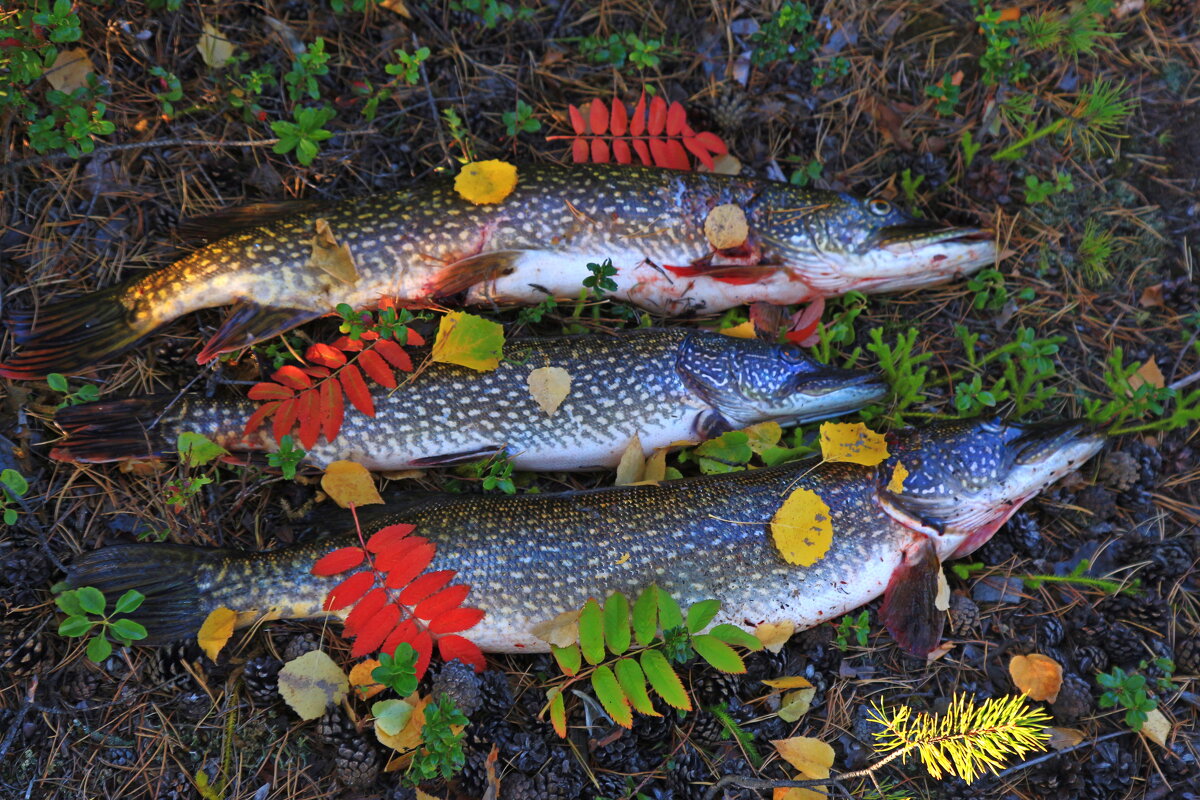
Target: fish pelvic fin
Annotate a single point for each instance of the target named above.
(173, 578)
(249, 323)
(70, 335)
(113, 430)
(909, 611)
(473, 270)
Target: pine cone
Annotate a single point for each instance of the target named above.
(461, 683)
(1074, 699)
(612, 786)
(1187, 654)
(1120, 470)
(708, 729)
(24, 576)
(1169, 561)
(996, 551)
(1123, 644)
(1147, 610)
(472, 779)
(964, 616)
(622, 754)
(715, 688)
(334, 729)
(303, 642)
(560, 779)
(687, 774)
(1090, 659)
(357, 762)
(167, 663)
(1024, 531)
(120, 757)
(261, 677)
(730, 109)
(654, 731)
(80, 684)
(1110, 771)
(23, 652)
(495, 694)
(767, 665)
(1059, 779)
(1049, 629)
(173, 785)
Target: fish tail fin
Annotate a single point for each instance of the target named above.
(171, 576)
(113, 430)
(66, 336)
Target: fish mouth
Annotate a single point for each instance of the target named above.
(1071, 442)
(922, 233)
(832, 392)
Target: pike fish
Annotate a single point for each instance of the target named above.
(662, 385)
(529, 557)
(426, 245)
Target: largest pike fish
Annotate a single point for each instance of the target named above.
(529, 557)
(425, 244)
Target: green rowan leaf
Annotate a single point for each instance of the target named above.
(732, 634)
(702, 613)
(568, 658)
(669, 613)
(616, 623)
(591, 632)
(558, 714)
(664, 681)
(717, 653)
(645, 616)
(633, 681)
(612, 696)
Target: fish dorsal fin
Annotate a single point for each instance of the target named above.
(476, 269)
(909, 609)
(219, 224)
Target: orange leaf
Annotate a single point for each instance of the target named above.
(348, 344)
(375, 630)
(285, 418)
(394, 354)
(579, 151)
(621, 152)
(417, 562)
(620, 118)
(466, 651)
(599, 151)
(637, 123)
(377, 368)
(333, 409)
(356, 389)
(455, 620)
(1037, 676)
(413, 338)
(256, 419)
(426, 585)
(676, 119)
(442, 602)
(1010, 14)
(309, 414)
(576, 119)
(598, 116)
(658, 116)
(386, 538)
(364, 610)
(360, 678)
(339, 560)
(325, 355)
(293, 376)
(317, 372)
(349, 591)
(270, 391)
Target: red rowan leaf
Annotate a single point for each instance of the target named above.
(414, 339)
(268, 390)
(387, 538)
(356, 389)
(418, 561)
(349, 591)
(394, 354)
(398, 554)
(698, 150)
(579, 151)
(676, 119)
(425, 586)
(368, 336)
(309, 414)
(637, 123)
(319, 373)
(599, 151)
(442, 602)
(285, 418)
(364, 609)
(576, 119)
(260, 414)
(325, 355)
(332, 409)
(403, 634)
(658, 116)
(687, 131)
(375, 630)
(658, 149)
(677, 155)
(293, 376)
(643, 151)
(621, 152)
(455, 620)
(620, 118)
(377, 368)
(339, 560)
(598, 117)
(711, 142)
(422, 642)
(453, 646)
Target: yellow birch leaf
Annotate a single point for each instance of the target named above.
(790, 682)
(656, 467)
(330, 257)
(896, 483)
(70, 70)
(484, 182)
(811, 756)
(796, 704)
(725, 227)
(398, 7)
(1148, 373)
(406, 742)
(424, 796)
(743, 331)
(469, 341)
(312, 683)
(941, 600)
(632, 463)
(214, 48)
(216, 630)
(562, 631)
(349, 482)
(794, 793)
(1064, 738)
(774, 635)
(1038, 677)
(724, 164)
(364, 685)
(1156, 728)
(853, 442)
(549, 387)
(763, 435)
(802, 528)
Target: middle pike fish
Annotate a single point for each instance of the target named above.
(662, 385)
(426, 245)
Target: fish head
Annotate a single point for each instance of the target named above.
(838, 243)
(965, 478)
(749, 381)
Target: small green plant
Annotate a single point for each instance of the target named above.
(1038, 191)
(182, 490)
(283, 350)
(808, 174)
(839, 67)
(990, 291)
(619, 49)
(733, 730)
(491, 12)
(945, 95)
(535, 314)
(969, 148)
(600, 281)
(729, 452)
(1098, 116)
(341, 6)
(12, 486)
(287, 457)
(460, 134)
(195, 450)
(1096, 247)
(902, 368)
(85, 609)
(1127, 690)
(1078, 577)
(301, 79)
(774, 40)
(839, 331)
(854, 629)
(441, 751)
(1130, 404)
(172, 90)
(398, 671)
(87, 393)
(909, 185)
(1001, 61)
(521, 120)
(244, 88)
(1027, 364)
(971, 398)
(304, 134)
(388, 323)
(965, 570)
(1075, 33)
(498, 475)
(70, 126)
(409, 67)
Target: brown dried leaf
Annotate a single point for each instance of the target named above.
(1037, 676)
(1148, 373)
(562, 631)
(549, 387)
(330, 257)
(633, 463)
(726, 227)
(1064, 738)
(1152, 297)
(70, 70)
(214, 48)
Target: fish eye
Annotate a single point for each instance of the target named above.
(993, 425)
(880, 208)
(791, 354)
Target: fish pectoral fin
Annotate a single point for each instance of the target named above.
(449, 459)
(909, 610)
(248, 323)
(222, 223)
(473, 270)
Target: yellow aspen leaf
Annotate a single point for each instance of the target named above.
(763, 435)
(1147, 373)
(1038, 677)
(632, 464)
(216, 630)
(656, 467)
(941, 600)
(802, 528)
(312, 683)
(812, 757)
(790, 682)
(70, 70)
(562, 631)
(484, 182)
(896, 483)
(425, 796)
(214, 48)
(724, 164)
(1156, 728)
(406, 742)
(364, 685)
(1064, 738)
(796, 704)
(349, 482)
(469, 341)
(853, 442)
(774, 635)
(549, 387)
(725, 227)
(794, 793)
(743, 331)
(330, 257)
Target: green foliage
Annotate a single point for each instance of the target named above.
(600, 281)
(945, 95)
(1077, 577)
(619, 49)
(1001, 61)
(971, 398)
(341, 6)
(989, 289)
(398, 671)
(1096, 247)
(534, 314)
(244, 88)
(304, 134)
(494, 473)
(1077, 32)
(969, 148)
(181, 490)
(839, 67)
(87, 393)
(70, 126)
(1133, 404)
(909, 185)
(301, 80)
(729, 452)
(853, 628)
(743, 737)
(460, 135)
(773, 41)
(839, 330)
(197, 450)
(902, 368)
(85, 609)
(521, 120)
(173, 90)
(627, 652)
(409, 68)
(1027, 363)
(808, 174)
(1038, 191)
(441, 752)
(12, 486)
(287, 457)
(1127, 690)
(388, 323)
(491, 12)
(1100, 112)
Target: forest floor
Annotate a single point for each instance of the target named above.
(1072, 130)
